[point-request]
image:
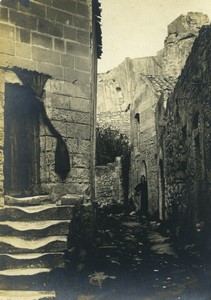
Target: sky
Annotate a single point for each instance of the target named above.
(137, 28)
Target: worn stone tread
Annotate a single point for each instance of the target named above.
(28, 295)
(27, 201)
(20, 245)
(36, 213)
(32, 260)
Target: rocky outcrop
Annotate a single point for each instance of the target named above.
(181, 35)
(116, 87)
(116, 90)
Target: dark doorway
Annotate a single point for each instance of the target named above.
(21, 145)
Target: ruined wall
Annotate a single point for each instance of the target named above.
(116, 88)
(116, 120)
(53, 37)
(179, 41)
(109, 183)
(187, 138)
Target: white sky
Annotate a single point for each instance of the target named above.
(137, 28)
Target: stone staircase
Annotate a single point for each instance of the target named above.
(33, 241)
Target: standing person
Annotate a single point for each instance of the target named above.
(141, 194)
(144, 196)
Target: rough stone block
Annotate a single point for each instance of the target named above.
(25, 36)
(7, 31)
(42, 40)
(10, 3)
(82, 9)
(59, 16)
(61, 127)
(3, 14)
(81, 161)
(7, 46)
(46, 56)
(77, 49)
(23, 20)
(70, 75)
(72, 145)
(45, 26)
(84, 146)
(67, 60)
(24, 63)
(83, 91)
(83, 37)
(70, 33)
(1, 201)
(54, 71)
(60, 101)
(66, 5)
(83, 77)
(80, 104)
(63, 87)
(23, 50)
(59, 45)
(6, 60)
(78, 131)
(33, 9)
(82, 64)
(79, 175)
(76, 76)
(81, 22)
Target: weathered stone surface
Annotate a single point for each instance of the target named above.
(187, 23)
(109, 183)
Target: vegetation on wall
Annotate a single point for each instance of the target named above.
(110, 143)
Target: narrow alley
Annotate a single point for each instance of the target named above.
(133, 259)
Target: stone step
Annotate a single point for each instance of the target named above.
(27, 295)
(71, 199)
(35, 229)
(32, 260)
(25, 279)
(36, 213)
(27, 201)
(22, 245)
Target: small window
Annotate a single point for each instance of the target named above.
(137, 117)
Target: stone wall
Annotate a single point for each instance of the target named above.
(150, 89)
(109, 183)
(53, 37)
(187, 141)
(116, 120)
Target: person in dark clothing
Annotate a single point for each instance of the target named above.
(142, 192)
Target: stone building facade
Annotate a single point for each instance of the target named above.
(46, 49)
(148, 110)
(187, 139)
(48, 76)
(144, 135)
